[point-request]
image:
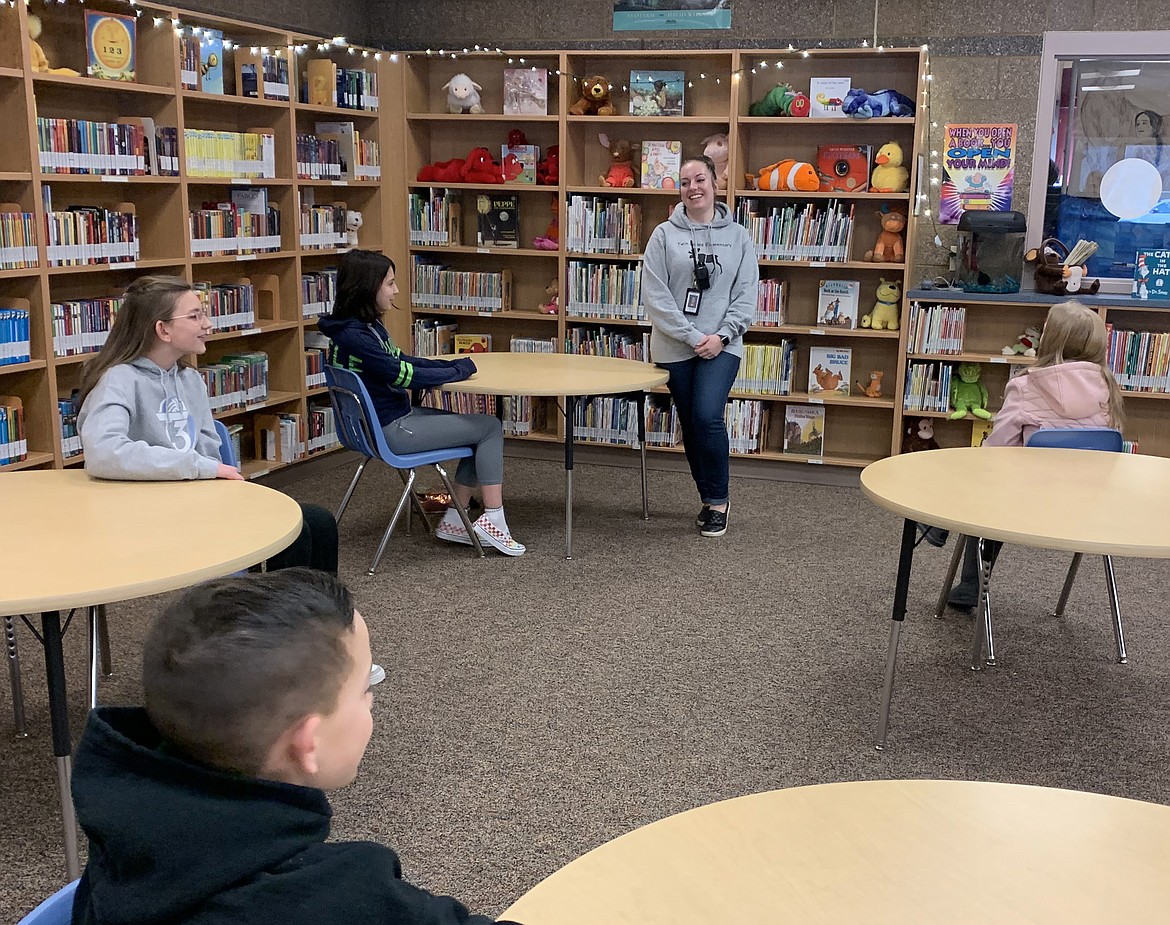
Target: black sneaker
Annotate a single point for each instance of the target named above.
(701, 520)
(936, 536)
(716, 523)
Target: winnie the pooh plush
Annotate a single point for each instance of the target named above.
(40, 63)
(968, 394)
(884, 315)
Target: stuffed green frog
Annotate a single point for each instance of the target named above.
(968, 393)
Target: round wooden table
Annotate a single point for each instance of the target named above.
(567, 376)
(83, 542)
(875, 852)
(1111, 504)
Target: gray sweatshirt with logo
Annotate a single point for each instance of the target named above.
(668, 271)
(144, 423)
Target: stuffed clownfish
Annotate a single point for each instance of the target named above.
(789, 175)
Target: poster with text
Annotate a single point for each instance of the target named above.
(630, 15)
(978, 170)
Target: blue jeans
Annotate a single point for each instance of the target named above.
(700, 388)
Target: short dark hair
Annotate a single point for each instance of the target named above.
(233, 663)
(359, 275)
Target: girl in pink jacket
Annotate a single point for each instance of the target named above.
(1069, 385)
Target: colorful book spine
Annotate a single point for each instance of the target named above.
(15, 341)
(82, 326)
(605, 290)
(808, 232)
(435, 286)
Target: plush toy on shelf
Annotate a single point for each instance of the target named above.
(1025, 345)
(548, 168)
(353, 224)
(715, 147)
(889, 247)
(553, 291)
(889, 176)
(40, 63)
(862, 105)
(873, 388)
(480, 168)
(1053, 276)
(884, 316)
(622, 172)
(594, 99)
(781, 100)
(463, 95)
(550, 240)
(787, 174)
(968, 394)
(919, 436)
(443, 171)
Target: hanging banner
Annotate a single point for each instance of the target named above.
(631, 15)
(978, 170)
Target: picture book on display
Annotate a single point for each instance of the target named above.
(661, 162)
(499, 220)
(826, 94)
(657, 93)
(109, 45)
(804, 429)
(1151, 275)
(521, 158)
(837, 302)
(980, 429)
(473, 343)
(211, 61)
(844, 167)
(525, 91)
(828, 370)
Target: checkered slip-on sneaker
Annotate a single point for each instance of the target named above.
(701, 520)
(453, 532)
(489, 533)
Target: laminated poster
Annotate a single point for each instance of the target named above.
(978, 170)
(631, 15)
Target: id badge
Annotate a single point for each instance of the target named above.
(691, 302)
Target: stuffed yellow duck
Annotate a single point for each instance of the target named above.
(40, 64)
(889, 176)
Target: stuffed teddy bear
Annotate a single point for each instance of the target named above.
(715, 147)
(548, 168)
(889, 247)
(884, 315)
(1025, 345)
(968, 394)
(463, 95)
(862, 105)
(353, 224)
(594, 99)
(889, 176)
(919, 436)
(872, 389)
(553, 291)
(480, 168)
(550, 240)
(443, 172)
(40, 63)
(781, 100)
(621, 171)
(786, 175)
(1052, 276)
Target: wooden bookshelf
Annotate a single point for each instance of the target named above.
(161, 203)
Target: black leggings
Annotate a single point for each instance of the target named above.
(316, 547)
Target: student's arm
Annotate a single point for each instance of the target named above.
(1008, 429)
(745, 294)
(661, 307)
(104, 424)
(401, 370)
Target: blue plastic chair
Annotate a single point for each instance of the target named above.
(227, 454)
(56, 910)
(358, 430)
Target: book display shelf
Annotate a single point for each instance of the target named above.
(604, 230)
(981, 325)
(221, 195)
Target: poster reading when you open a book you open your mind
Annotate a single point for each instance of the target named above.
(629, 15)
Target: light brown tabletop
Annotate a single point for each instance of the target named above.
(557, 374)
(889, 852)
(83, 541)
(1074, 500)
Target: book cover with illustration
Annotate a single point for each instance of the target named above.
(473, 343)
(844, 167)
(525, 91)
(837, 301)
(657, 93)
(1151, 275)
(804, 429)
(519, 163)
(498, 220)
(661, 162)
(826, 94)
(109, 44)
(980, 429)
(829, 369)
(211, 61)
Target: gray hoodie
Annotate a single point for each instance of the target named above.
(727, 307)
(144, 423)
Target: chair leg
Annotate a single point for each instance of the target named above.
(956, 557)
(415, 505)
(460, 510)
(1068, 583)
(1115, 606)
(18, 727)
(984, 630)
(93, 628)
(393, 522)
(349, 491)
(103, 630)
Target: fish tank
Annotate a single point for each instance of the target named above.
(990, 254)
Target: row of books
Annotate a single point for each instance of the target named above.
(532, 345)
(325, 84)
(936, 328)
(15, 342)
(287, 437)
(767, 368)
(436, 218)
(318, 292)
(1139, 360)
(79, 146)
(435, 338)
(315, 360)
(614, 421)
(337, 152)
(13, 440)
(321, 428)
(608, 342)
(928, 386)
(247, 224)
(18, 241)
(605, 290)
(82, 325)
(435, 286)
(520, 414)
(70, 438)
(231, 306)
(602, 225)
(771, 303)
(323, 226)
(213, 153)
(236, 380)
(318, 158)
(811, 231)
(265, 72)
(84, 235)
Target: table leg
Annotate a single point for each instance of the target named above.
(570, 414)
(18, 729)
(642, 444)
(901, 592)
(62, 742)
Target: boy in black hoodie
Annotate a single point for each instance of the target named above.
(208, 807)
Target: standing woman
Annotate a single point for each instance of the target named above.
(700, 280)
(365, 292)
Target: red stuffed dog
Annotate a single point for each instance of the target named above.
(480, 168)
(443, 172)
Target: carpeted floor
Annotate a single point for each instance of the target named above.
(535, 708)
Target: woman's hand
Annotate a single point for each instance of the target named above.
(228, 472)
(709, 347)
